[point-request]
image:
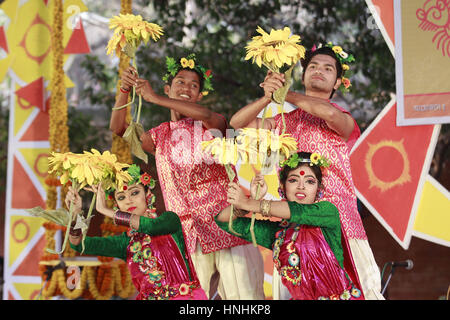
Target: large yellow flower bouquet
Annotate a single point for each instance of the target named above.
(82, 170)
(227, 152)
(250, 146)
(276, 50)
(129, 32)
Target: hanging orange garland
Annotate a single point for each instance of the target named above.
(119, 146)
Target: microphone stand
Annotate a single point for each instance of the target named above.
(388, 278)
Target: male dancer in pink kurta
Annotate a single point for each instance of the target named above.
(193, 186)
(323, 127)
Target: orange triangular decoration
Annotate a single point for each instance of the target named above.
(3, 42)
(24, 193)
(33, 93)
(38, 130)
(77, 42)
(29, 265)
(387, 164)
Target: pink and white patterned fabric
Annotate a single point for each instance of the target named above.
(314, 135)
(193, 186)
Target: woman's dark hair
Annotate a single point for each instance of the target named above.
(304, 155)
(326, 51)
(200, 77)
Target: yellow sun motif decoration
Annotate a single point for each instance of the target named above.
(29, 38)
(373, 179)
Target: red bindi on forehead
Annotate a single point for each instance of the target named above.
(302, 173)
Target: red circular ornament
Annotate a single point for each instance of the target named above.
(302, 173)
(125, 187)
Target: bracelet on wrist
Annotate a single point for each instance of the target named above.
(264, 207)
(74, 232)
(122, 218)
(123, 90)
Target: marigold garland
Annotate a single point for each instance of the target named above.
(114, 280)
(58, 130)
(91, 274)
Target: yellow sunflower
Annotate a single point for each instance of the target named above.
(227, 151)
(275, 49)
(130, 31)
(315, 157)
(268, 142)
(337, 49)
(89, 168)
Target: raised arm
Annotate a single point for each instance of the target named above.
(338, 121)
(247, 116)
(210, 119)
(118, 122)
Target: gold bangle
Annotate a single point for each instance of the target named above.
(264, 207)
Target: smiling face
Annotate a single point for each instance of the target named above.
(321, 74)
(301, 185)
(132, 200)
(185, 86)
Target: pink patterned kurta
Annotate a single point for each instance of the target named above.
(194, 187)
(314, 135)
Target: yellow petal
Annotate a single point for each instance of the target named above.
(88, 174)
(64, 178)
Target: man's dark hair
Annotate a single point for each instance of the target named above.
(326, 51)
(200, 77)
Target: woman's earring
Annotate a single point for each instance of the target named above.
(281, 193)
(319, 195)
(150, 200)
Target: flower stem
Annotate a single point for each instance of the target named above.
(76, 186)
(231, 176)
(91, 207)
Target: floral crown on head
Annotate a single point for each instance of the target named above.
(314, 159)
(136, 177)
(344, 59)
(188, 62)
